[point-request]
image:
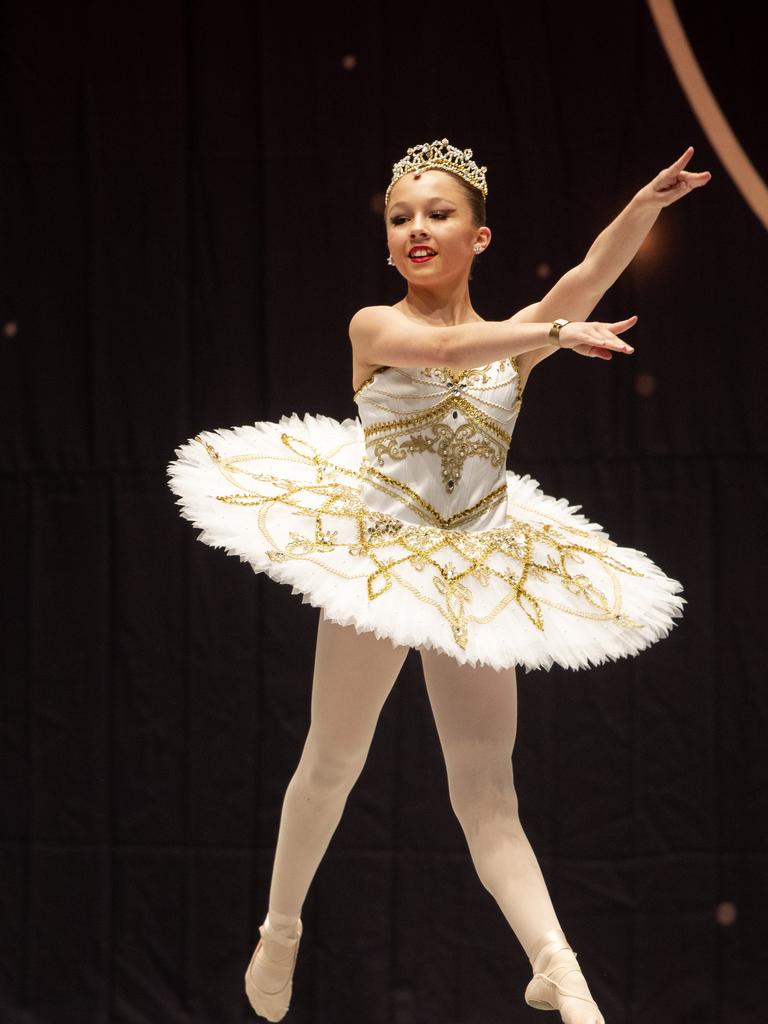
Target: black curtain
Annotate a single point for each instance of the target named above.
(190, 206)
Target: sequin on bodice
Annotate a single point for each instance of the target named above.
(436, 442)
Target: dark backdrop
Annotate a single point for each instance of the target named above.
(190, 216)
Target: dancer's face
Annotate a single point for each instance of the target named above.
(430, 208)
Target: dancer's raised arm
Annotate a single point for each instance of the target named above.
(580, 289)
(615, 247)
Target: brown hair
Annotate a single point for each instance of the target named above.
(474, 198)
(476, 205)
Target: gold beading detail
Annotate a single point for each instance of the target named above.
(441, 409)
(389, 484)
(445, 375)
(453, 447)
(387, 543)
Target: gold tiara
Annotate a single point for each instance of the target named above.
(444, 157)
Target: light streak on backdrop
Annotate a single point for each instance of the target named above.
(708, 112)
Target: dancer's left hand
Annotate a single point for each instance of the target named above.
(673, 182)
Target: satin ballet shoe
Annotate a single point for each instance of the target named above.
(268, 982)
(545, 989)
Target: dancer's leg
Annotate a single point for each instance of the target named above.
(475, 711)
(353, 675)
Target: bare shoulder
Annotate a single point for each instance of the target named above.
(385, 336)
(365, 322)
(369, 318)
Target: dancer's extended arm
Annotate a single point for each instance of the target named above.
(579, 290)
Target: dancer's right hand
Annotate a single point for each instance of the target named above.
(596, 339)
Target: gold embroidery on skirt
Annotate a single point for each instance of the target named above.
(388, 542)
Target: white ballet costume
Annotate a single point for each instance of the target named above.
(406, 523)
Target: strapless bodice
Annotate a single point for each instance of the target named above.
(436, 442)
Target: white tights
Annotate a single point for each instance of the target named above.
(475, 711)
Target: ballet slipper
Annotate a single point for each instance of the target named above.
(552, 960)
(269, 976)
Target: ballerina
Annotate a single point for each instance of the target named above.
(418, 536)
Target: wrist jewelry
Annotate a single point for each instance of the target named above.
(554, 332)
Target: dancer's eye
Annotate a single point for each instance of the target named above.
(441, 214)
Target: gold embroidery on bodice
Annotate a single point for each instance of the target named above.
(453, 447)
(431, 426)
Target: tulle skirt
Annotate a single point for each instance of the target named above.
(547, 587)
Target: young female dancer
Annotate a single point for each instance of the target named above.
(430, 529)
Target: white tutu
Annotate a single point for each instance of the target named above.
(542, 586)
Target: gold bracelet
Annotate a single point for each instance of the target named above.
(554, 332)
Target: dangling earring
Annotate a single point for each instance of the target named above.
(390, 261)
